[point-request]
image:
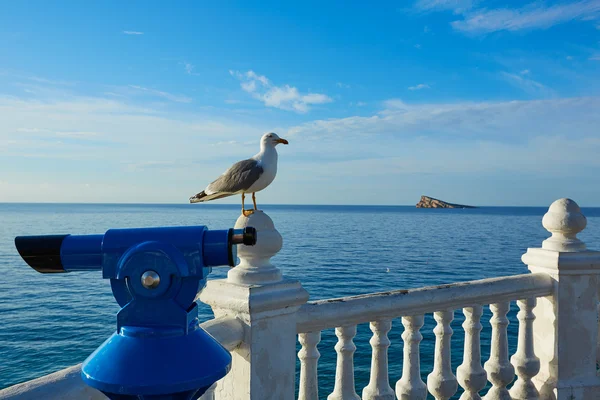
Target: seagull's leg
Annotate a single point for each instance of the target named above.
(254, 201)
(244, 211)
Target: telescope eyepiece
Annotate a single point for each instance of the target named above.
(41, 253)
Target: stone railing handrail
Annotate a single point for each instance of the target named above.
(66, 384)
(331, 313)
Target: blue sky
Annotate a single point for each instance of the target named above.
(480, 102)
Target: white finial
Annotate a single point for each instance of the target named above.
(564, 220)
(255, 266)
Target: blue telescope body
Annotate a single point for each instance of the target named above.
(158, 351)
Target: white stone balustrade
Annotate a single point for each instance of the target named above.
(470, 373)
(565, 329)
(411, 386)
(557, 340)
(500, 370)
(441, 382)
(379, 386)
(309, 357)
(526, 363)
(344, 371)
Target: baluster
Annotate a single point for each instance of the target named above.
(471, 375)
(344, 371)
(525, 360)
(500, 370)
(441, 382)
(411, 386)
(309, 356)
(379, 385)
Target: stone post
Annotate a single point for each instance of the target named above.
(566, 325)
(255, 292)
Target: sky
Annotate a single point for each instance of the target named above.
(475, 102)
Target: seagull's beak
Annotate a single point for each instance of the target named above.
(283, 141)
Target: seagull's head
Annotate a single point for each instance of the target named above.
(271, 140)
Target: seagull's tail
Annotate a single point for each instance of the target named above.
(199, 197)
(202, 196)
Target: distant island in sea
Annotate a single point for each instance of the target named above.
(430, 202)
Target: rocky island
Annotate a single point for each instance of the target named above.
(430, 202)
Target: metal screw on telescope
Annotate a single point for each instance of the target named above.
(150, 279)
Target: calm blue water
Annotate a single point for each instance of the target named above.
(49, 322)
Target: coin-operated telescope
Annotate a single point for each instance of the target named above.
(159, 351)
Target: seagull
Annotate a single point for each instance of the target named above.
(247, 176)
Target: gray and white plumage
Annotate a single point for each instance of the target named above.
(246, 176)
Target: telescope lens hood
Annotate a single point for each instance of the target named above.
(42, 253)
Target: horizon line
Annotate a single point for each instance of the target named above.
(270, 204)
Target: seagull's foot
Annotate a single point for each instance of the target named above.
(247, 213)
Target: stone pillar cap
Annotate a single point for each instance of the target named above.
(564, 221)
(255, 266)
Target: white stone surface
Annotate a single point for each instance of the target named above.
(441, 382)
(566, 327)
(564, 220)
(255, 293)
(471, 375)
(499, 369)
(309, 357)
(255, 265)
(344, 371)
(411, 386)
(379, 385)
(526, 363)
(324, 314)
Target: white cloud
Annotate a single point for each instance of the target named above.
(504, 121)
(420, 86)
(465, 146)
(527, 85)
(77, 134)
(284, 97)
(159, 93)
(417, 46)
(31, 130)
(50, 81)
(133, 33)
(595, 58)
(442, 5)
(525, 72)
(142, 133)
(533, 16)
(128, 152)
(342, 85)
(131, 152)
(569, 58)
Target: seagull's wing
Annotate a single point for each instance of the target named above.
(239, 177)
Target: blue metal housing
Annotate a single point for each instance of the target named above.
(158, 350)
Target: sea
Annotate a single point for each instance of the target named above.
(52, 321)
